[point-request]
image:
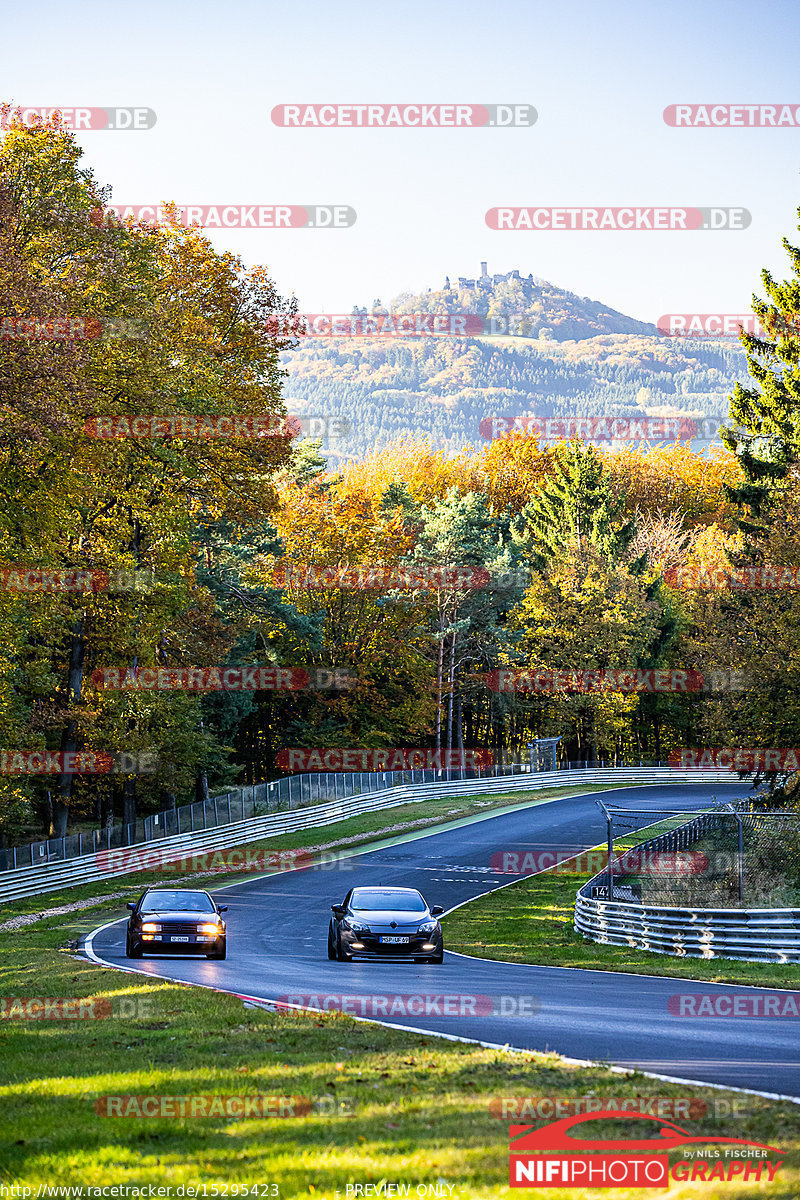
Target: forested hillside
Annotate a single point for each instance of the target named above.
(565, 356)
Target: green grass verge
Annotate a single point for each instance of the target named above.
(387, 1105)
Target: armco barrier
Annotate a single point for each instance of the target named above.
(35, 881)
(251, 800)
(752, 935)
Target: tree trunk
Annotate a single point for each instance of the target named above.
(129, 787)
(451, 678)
(108, 806)
(201, 788)
(439, 672)
(69, 742)
(129, 810)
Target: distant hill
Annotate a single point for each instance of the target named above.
(568, 356)
(540, 309)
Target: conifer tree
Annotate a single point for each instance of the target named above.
(767, 413)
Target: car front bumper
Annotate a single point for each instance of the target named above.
(168, 943)
(369, 945)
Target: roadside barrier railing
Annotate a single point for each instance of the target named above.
(99, 865)
(225, 808)
(749, 934)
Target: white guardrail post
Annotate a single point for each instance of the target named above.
(21, 882)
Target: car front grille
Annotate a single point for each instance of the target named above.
(177, 928)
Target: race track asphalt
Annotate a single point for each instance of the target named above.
(277, 929)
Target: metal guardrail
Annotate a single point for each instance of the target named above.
(38, 880)
(224, 808)
(751, 935)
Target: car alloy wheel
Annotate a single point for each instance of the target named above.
(132, 951)
(340, 953)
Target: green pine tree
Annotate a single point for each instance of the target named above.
(576, 505)
(768, 413)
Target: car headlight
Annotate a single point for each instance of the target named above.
(428, 927)
(208, 928)
(355, 926)
(151, 928)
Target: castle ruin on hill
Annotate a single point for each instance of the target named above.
(487, 281)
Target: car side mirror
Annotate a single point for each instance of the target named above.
(132, 907)
(223, 908)
(436, 910)
(337, 910)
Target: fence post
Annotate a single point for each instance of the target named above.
(610, 834)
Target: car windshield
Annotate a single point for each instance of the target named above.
(386, 901)
(177, 901)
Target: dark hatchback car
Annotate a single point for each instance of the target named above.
(385, 922)
(172, 921)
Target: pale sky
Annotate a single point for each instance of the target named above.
(599, 76)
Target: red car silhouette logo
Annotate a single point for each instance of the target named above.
(555, 1137)
(555, 1157)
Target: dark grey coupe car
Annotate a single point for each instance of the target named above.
(385, 922)
(171, 921)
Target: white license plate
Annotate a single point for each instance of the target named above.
(395, 941)
(179, 939)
